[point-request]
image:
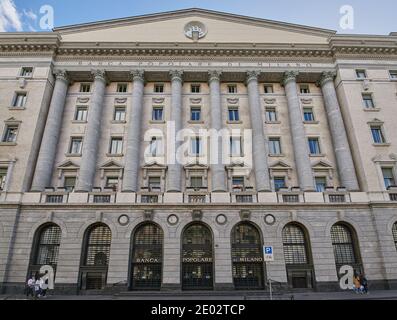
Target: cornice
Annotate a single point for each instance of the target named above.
(365, 47)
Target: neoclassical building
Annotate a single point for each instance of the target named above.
(97, 181)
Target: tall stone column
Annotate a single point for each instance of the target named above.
(132, 157)
(299, 140)
(218, 172)
(347, 172)
(92, 134)
(259, 142)
(175, 169)
(49, 143)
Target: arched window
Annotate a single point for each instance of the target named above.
(394, 230)
(96, 257)
(345, 247)
(197, 267)
(147, 257)
(45, 247)
(297, 256)
(247, 257)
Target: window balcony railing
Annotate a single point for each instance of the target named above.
(57, 198)
(393, 196)
(149, 198)
(290, 198)
(101, 198)
(244, 198)
(200, 198)
(337, 198)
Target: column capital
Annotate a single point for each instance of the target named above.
(252, 75)
(99, 74)
(176, 75)
(137, 75)
(62, 75)
(326, 76)
(289, 76)
(214, 75)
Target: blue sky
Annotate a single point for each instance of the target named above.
(370, 17)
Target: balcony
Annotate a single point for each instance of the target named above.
(393, 196)
(99, 196)
(290, 198)
(51, 198)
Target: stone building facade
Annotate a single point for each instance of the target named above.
(87, 181)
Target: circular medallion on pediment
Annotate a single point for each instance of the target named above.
(195, 30)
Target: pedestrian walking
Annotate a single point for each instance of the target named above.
(43, 286)
(357, 284)
(364, 283)
(37, 288)
(30, 286)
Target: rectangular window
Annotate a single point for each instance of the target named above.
(112, 182)
(19, 100)
(157, 114)
(195, 88)
(393, 74)
(116, 145)
(81, 113)
(377, 134)
(3, 178)
(196, 182)
(159, 88)
(268, 88)
(274, 146)
(122, 88)
(235, 146)
(271, 115)
(314, 146)
(321, 184)
(279, 182)
(234, 114)
(238, 182)
(156, 146)
(232, 88)
(304, 89)
(69, 183)
(361, 74)
(154, 183)
(85, 87)
(195, 114)
(308, 114)
(26, 71)
(388, 177)
(10, 133)
(195, 146)
(368, 101)
(76, 145)
(119, 114)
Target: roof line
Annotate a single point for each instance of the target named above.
(191, 10)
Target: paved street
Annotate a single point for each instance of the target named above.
(373, 295)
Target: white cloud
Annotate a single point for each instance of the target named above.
(30, 14)
(10, 19)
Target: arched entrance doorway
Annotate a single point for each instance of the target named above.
(147, 254)
(247, 257)
(197, 258)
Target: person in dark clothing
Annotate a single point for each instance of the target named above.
(364, 282)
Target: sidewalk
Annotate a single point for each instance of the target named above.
(348, 295)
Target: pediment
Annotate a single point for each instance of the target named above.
(280, 165)
(68, 165)
(110, 165)
(169, 27)
(322, 165)
(197, 166)
(154, 165)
